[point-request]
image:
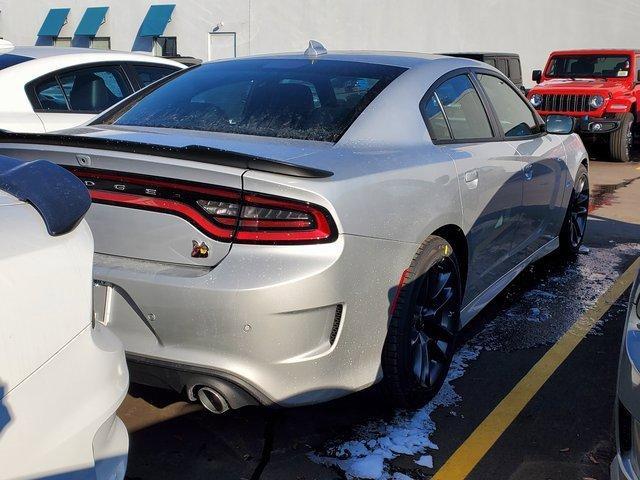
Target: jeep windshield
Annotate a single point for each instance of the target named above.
(589, 66)
(289, 98)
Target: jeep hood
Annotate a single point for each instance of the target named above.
(584, 85)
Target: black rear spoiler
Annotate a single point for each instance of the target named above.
(196, 153)
(60, 197)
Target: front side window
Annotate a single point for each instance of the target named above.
(514, 115)
(94, 89)
(463, 109)
(589, 66)
(290, 98)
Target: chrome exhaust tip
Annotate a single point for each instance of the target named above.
(212, 400)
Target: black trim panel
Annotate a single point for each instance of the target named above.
(196, 153)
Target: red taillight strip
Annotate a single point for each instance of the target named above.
(156, 182)
(178, 198)
(163, 206)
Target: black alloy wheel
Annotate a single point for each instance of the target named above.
(423, 327)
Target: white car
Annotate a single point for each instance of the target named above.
(50, 88)
(62, 376)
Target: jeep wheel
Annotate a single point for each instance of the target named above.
(621, 141)
(424, 325)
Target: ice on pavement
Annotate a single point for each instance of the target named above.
(536, 317)
(425, 461)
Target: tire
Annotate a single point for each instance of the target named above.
(575, 220)
(432, 281)
(621, 141)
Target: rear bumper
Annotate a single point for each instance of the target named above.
(286, 325)
(65, 413)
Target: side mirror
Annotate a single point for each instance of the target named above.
(536, 76)
(560, 124)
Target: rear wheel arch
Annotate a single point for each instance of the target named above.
(457, 239)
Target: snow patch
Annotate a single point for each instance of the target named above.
(425, 461)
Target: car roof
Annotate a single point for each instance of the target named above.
(90, 54)
(587, 51)
(483, 54)
(396, 59)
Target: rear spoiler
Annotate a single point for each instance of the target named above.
(196, 153)
(60, 197)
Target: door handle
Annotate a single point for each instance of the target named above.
(528, 171)
(471, 178)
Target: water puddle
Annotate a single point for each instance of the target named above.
(603, 195)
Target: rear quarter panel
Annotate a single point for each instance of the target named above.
(46, 285)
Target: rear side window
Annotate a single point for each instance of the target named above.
(515, 117)
(147, 74)
(87, 90)
(51, 96)
(515, 73)
(460, 103)
(290, 98)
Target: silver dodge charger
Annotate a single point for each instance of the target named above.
(288, 229)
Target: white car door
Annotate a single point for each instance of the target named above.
(72, 97)
(489, 178)
(543, 164)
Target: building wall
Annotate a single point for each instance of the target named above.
(532, 29)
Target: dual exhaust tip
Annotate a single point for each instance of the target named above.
(212, 400)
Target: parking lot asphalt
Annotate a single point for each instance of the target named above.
(565, 431)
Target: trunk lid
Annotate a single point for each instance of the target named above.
(167, 158)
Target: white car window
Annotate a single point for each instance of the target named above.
(94, 89)
(51, 96)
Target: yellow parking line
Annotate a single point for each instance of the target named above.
(467, 456)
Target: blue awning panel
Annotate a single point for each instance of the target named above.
(52, 25)
(91, 20)
(156, 20)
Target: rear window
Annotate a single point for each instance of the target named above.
(290, 98)
(9, 60)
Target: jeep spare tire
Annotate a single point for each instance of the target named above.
(621, 141)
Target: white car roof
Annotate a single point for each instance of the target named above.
(86, 54)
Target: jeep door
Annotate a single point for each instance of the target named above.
(489, 176)
(543, 165)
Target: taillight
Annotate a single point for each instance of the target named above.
(224, 214)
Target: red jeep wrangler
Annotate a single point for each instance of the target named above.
(598, 87)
